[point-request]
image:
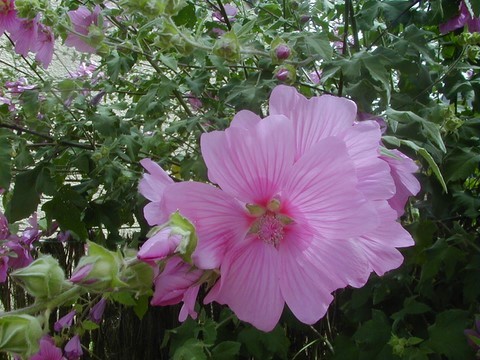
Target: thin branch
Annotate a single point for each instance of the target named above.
(47, 137)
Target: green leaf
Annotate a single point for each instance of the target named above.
(124, 298)
(89, 325)
(426, 155)
(25, 197)
(191, 350)
(461, 163)
(262, 345)
(226, 350)
(67, 208)
(141, 306)
(447, 337)
(431, 130)
(5, 162)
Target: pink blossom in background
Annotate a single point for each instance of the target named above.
(303, 208)
(8, 16)
(48, 350)
(3, 268)
(82, 19)
(177, 283)
(194, 101)
(4, 230)
(402, 169)
(463, 18)
(218, 32)
(19, 86)
(230, 10)
(25, 36)
(315, 76)
(44, 46)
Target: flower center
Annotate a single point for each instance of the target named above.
(269, 229)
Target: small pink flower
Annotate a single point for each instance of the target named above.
(464, 18)
(65, 321)
(177, 283)
(73, 348)
(8, 16)
(44, 46)
(48, 350)
(82, 19)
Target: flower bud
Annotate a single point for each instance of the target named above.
(177, 236)
(64, 322)
(286, 74)
(20, 334)
(43, 278)
(96, 312)
(282, 52)
(73, 348)
(99, 270)
(228, 47)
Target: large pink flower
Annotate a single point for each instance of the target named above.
(82, 19)
(302, 208)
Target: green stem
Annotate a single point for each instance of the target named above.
(61, 299)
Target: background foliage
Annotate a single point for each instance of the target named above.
(72, 145)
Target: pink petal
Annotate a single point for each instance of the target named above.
(321, 192)
(379, 245)
(374, 179)
(188, 307)
(250, 164)
(155, 213)
(79, 44)
(314, 119)
(402, 169)
(154, 182)
(245, 119)
(173, 282)
(304, 294)
(249, 284)
(219, 219)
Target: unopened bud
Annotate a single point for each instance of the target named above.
(282, 52)
(286, 74)
(43, 278)
(99, 270)
(20, 334)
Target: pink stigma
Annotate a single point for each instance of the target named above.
(269, 229)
